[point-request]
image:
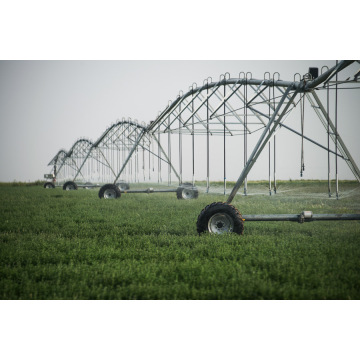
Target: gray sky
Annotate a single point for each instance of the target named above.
(48, 105)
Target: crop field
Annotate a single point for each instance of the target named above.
(57, 244)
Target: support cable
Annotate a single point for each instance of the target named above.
(274, 143)
(169, 153)
(180, 145)
(328, 136)
(159, 159)
(122, 157)
(302, 109)
(143, 164)
(137, 160)
(269, 141)
(150, 159)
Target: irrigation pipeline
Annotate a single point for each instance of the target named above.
(305, 216)
(148, 191)
(292, 85)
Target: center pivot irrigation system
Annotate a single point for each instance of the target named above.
(230, 107)
(124, 149)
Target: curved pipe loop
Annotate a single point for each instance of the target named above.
(278, 74)
(324, 67)
(225, 77)
(307, 77)
(191, 87)
(269, 77)
(295, 75)
(222, 79)
(207, 81)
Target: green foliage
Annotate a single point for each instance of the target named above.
(20, 183)
(57, 244)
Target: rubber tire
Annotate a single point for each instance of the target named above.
(186, 184)
(123, 186)
(180, 195)
(220, 207)
(49, 185)
(109, 187)
(70, 183)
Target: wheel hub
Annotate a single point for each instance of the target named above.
(109, 194)
(187, 194)
(220, 223)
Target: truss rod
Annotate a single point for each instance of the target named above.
(341, 145)
(229, 107)
(200, 120)
(142, 133)
(177, 113)
(261, 143)
(167, 159)
(258, 93)
(205, 101)
(242, 98)
(225, 99)
(108, 164)
(312, 141)
(199, 107)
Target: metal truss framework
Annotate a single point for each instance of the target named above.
(243, 106)
(66, 164)
(57, 161)
(116, 152)
(230, 107)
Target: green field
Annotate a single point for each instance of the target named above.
(72, 245)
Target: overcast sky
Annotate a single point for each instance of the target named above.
(47, 105)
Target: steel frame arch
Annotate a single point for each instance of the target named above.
(267, 114)
(112, 151)
(71, 162)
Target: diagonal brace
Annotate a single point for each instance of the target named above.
(262, 142)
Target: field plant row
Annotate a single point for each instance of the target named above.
(72, 245)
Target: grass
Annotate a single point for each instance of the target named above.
(72, 245)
